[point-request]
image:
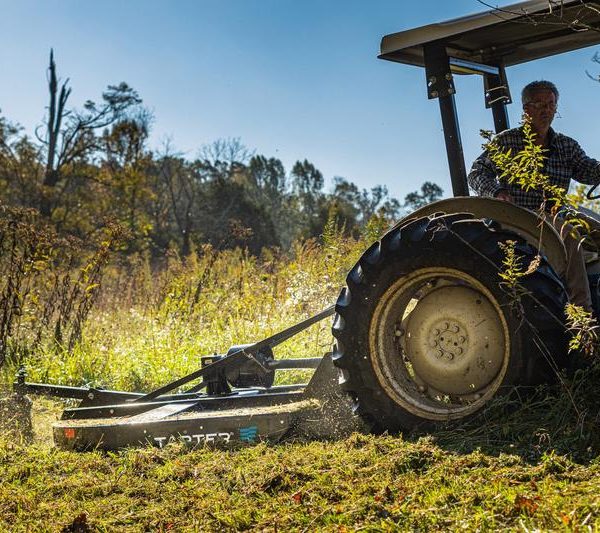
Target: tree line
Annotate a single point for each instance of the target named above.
(87, 167)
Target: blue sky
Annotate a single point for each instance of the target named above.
(293, 79)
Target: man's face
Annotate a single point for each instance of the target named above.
(541, 109)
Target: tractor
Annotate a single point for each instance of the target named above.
(425, 333)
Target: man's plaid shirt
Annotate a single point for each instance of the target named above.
(565, 160)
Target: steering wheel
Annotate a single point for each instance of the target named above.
(588, 194)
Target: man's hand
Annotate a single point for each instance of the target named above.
(505, 196)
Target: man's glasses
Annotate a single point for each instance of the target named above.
(542, 105)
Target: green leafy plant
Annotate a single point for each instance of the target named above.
(583, 328)
(525, 169)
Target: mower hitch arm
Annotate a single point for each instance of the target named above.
(243, 353)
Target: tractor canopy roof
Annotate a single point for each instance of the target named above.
(502, 36)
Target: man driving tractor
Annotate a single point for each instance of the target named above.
(564, 160)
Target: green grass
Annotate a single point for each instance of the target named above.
(529, 462)
(362, 482)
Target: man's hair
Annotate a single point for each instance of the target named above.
(531, 88)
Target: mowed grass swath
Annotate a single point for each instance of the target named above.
(364, 482)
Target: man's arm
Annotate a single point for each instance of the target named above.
(483, 179)
(585, 169)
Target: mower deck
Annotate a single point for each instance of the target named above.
(240, 405)
(160, 426)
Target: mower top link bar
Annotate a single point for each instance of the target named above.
(243, 353)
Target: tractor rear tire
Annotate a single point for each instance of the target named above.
(427, 333)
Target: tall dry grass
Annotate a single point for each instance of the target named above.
(131, 325)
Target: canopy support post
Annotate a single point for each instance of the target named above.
(440, 85)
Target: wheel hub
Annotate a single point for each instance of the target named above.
(448, 339)
(455, 341)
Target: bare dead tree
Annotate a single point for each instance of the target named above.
(70, 134)
(56, 114)
(230, 151)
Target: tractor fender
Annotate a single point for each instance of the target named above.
(523, 222)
